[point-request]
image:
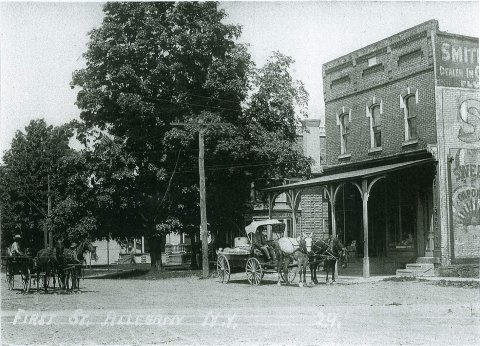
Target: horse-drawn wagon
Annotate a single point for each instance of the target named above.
(51, 266)
(246, 256)
(18, 265)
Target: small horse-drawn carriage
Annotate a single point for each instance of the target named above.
(291, 255)
(246, 256)
(18, 265)
(50, 267)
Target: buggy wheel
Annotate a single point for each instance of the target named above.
(26, 280)
(291, 274)
(254, 271)
(223, 269)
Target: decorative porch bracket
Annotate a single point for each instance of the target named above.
(293, 198)
(271, 202)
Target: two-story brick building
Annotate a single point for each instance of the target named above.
(402, 129)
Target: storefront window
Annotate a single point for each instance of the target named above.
(401, 221)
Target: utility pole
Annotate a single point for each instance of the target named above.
(203, 203)
(203, 199)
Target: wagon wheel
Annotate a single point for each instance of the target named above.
(26, 279)
(291, 273)
(254, 271)
(223, 269)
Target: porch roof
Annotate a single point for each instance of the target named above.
(344, 176)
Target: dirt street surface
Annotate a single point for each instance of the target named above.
(193, 311)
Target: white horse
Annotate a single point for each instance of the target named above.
(288, 249)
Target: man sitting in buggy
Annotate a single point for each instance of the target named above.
(260, 243)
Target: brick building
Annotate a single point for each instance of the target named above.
(311, 210)
(402, 129)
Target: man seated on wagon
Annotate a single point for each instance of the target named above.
(15, 247)
(260, 243)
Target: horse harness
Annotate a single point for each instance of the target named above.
(328, 253)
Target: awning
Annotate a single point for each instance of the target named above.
(345, 176)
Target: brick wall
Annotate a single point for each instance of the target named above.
(383, 71)
(314, 212)
(393, 122)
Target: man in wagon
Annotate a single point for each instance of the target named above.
(15, 247)
(260, 243)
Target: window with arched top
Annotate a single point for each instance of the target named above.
(374, 111)
(411, 117)
(376, 126)
(344, 131)
(409, 104)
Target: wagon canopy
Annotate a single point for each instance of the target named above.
(252, 228)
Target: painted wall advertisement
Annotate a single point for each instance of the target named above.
(457, 61)
(466, 202)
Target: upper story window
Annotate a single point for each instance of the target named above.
(377, 126)
(344, 132)
(411, 123)
(409, 103)
(374, 111)
(344, 118)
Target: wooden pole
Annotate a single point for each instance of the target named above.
(203, 203)
(366, 260)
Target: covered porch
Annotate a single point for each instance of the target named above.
(382, 214)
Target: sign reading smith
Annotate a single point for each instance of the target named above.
(457, 61)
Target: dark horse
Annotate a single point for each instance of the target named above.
(75, 258)
(328, 251)
(50, 261)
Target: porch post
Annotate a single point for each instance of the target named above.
(332, 208)
(332, 195)
(366, 260)
(294, 214)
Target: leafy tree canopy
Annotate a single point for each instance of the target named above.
(151, 64)
(40, 162)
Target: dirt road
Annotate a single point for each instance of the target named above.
(194, 311)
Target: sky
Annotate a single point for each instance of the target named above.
(42, 44)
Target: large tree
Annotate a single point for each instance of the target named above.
(40, 164)
(154, 63)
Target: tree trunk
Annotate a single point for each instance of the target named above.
(156, 248)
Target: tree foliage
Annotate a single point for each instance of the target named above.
(151, 64)
(41, 157)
